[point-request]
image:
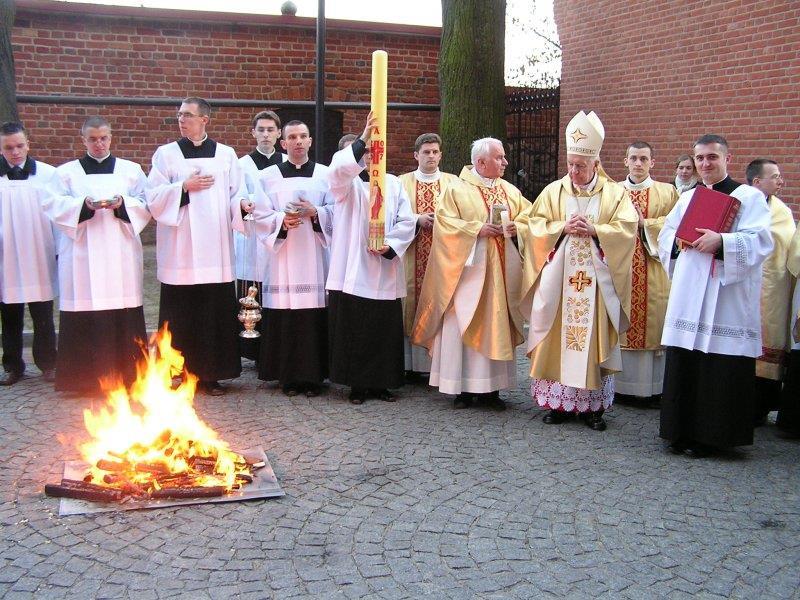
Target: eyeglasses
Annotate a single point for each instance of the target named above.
(186, 115)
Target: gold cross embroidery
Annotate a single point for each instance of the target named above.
(580, 281)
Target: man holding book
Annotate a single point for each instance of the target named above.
(712, 329)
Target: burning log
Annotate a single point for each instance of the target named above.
(80, 490)
(189, 492)
(156, 469)
(112, 465)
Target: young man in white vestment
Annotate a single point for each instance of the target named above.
(642, 374)
(468, 314)
(196, 194)
(27, 255)
(292, 226)
(712, 328)
(424, 187)
(365, 286)
(776, 289)
(578, 240)
(98, 204)
(251, 256)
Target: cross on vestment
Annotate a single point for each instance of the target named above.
(580, 280)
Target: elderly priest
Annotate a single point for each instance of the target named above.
(578, 241)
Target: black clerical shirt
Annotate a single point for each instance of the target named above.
(20, 173)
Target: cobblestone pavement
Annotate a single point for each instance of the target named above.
(408, 500)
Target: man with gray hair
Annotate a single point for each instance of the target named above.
(578, 240)
(467, 314)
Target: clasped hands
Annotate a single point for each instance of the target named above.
(302, 209)
(579, 225)
(489, 230)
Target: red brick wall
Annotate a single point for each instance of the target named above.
(667, 72)
(138, 52)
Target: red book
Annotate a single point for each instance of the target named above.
(708, 209)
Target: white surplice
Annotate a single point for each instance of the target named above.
(298, 263)
(100, 259)
(27, 244)
(195, 241)
(251, 256)
(353, 270)
(718, 312)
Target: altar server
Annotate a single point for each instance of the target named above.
(712, 328)
(27, 255)
(292, 225)
(98, 204)
(365, 286)
(196, 194)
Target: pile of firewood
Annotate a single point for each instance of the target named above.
(123, 481)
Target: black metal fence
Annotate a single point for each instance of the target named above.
(533, 136)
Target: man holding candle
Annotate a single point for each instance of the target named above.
(468, 316)
(365, 285)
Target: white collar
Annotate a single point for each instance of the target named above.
(588, 187)
(99, 160)
(428, 177)
(200, 143)
(629, 185)
(486, 181)
(270, 155)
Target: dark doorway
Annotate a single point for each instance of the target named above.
(533, 135)
(333, 127)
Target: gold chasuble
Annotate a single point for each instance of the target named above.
(649, 281)
(424, 197)
(776, 293)
(495, 326)
(577, 289)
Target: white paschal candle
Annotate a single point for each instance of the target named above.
(377, 170)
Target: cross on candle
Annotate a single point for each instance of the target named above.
(580, 280)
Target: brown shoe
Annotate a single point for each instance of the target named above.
(49, 375)
(212, 388)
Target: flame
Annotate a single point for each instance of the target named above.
(153, 428)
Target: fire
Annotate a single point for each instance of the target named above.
(149, 437)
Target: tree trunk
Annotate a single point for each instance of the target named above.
(471, 77)
(8, 86)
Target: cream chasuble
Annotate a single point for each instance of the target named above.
(793, 266)
(576, 290)
(100, 259)
(27, 241)
(468, 314)
(424, 191)
(776, 294)
(642, 354)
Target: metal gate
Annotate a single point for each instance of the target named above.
(533, 135)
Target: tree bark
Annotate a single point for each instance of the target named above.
(8, 86)
(471, 77)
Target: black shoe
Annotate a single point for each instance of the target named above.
(677, 447)
(462, 401)
(594, 420)
(49, 375)
(212, 388)
(555, 417)
(384, 394)
(10, 377)
(290, 389)
(357, 396)
(492, 400)
(312, 390)
(696, 450)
